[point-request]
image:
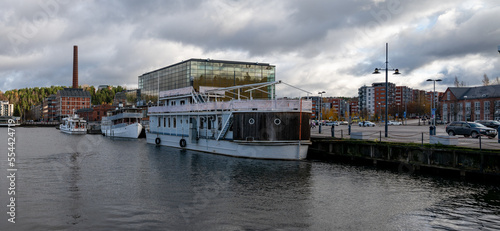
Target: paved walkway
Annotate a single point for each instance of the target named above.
(411, 133)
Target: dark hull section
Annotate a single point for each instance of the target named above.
(271, 126)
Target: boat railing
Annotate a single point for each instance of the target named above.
(236, 105)
(125, 115)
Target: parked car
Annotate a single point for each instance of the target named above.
(489, 123)
(393, 122)
(470, 129)
(343, 123)
(366, 124)
(331, 123)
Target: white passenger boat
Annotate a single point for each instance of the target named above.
(73, 125)
(253, 128)
(123, 122)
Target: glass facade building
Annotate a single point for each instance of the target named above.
(205, 72)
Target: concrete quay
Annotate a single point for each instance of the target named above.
(407, 150)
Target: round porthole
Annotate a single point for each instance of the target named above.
(251, 121)
(277, 121)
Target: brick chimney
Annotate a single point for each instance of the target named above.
(75, 66)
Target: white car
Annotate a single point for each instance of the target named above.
(366, 124)
(394, 123)
(330, 123)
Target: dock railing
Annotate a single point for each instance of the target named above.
(237, 105)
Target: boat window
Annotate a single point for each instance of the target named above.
(159, 122)
(175, 122)
(172, 103)
(183, 102)
(169, 122)
(209, 123)
(201, 123)
(164, 121)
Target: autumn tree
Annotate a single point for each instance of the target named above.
(486, 80)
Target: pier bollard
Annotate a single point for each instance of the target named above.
(333, 130)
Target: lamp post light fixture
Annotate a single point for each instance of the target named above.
(320, 113)
(396, 72)
(433, 106)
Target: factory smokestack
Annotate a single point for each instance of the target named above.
(75, 66)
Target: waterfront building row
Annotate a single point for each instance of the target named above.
(334, 108)
(372, 100)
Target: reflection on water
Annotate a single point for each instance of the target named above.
(96, 183)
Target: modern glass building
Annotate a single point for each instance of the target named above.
(205, 72)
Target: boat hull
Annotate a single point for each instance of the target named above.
(281, 150)
(128, 131)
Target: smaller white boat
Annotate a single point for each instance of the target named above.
(73, 125)
(9, 121)
(123, 122)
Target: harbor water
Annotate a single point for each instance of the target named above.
(91, 182)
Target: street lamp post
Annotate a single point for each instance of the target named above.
(320, 113)
(433, 106)
(379, 111)
(397, 116)
(396, 72)
(465, 108)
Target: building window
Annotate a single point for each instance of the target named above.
(487, 107)
(448, 96)
(477, 106)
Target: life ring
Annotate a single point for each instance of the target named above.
(157, 140)
(182, 143)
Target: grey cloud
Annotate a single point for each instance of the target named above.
(120, 40)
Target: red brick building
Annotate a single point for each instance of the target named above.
(69, 100)
(95, 113)
(353, 107)
(471, 103)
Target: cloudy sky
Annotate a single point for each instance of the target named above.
(318, 45)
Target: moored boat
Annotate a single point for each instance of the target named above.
(123, 122)
(253, 128)
(9, 121)
(73, 125)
